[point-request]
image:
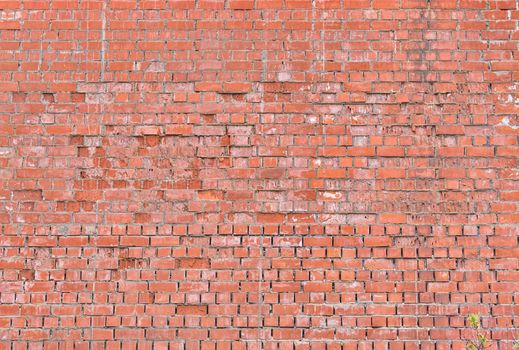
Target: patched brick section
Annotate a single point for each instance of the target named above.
(259, 174)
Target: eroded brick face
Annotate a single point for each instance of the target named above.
(262, 174)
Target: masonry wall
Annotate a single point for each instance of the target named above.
(267, 174)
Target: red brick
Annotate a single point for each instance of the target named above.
(269, 218)
(450, 130)
(377, 241)
(193, 263)
(332, 173)
(191, 310)
(393, 218)
(236, 87)
(210, 195)
(208, 86)
(241, 4)
(10, 25)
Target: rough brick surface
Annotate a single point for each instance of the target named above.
(267, 174)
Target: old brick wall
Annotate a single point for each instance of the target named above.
(267, 174)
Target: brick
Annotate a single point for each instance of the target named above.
(191, 310)
(178, 129)
(391, 173)
(450, 130)
(331, 173)
(377, 241)
(393, 218)
(208, 86)
(10, 25)
(241, 4)
(236, 87)
(193, 263)
(272, 173)
(269, 218)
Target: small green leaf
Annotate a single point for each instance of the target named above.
(474, 321)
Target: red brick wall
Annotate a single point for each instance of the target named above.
(267, 174)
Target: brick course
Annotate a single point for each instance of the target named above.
(263, 174)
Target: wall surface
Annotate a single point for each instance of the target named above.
(268, 174)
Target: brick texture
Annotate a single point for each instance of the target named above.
(267, 174)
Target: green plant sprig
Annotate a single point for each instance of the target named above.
(480, 341)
